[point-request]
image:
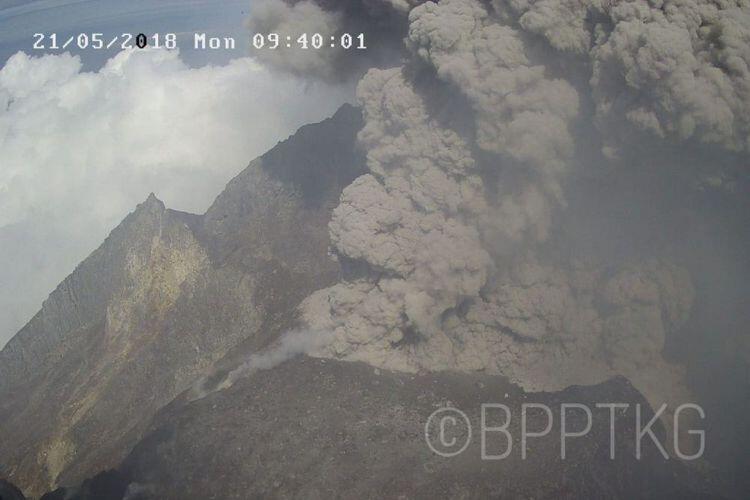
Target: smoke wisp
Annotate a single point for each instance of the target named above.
(290, 345)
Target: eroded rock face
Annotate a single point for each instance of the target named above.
(164, 298)
(98, 378)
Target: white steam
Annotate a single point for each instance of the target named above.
(290, 345)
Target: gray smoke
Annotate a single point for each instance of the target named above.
(472, 145)
(422, 217)
(556, 193)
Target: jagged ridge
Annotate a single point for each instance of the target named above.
(166, 296)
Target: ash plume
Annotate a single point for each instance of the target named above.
(474, 145)
(676, 69)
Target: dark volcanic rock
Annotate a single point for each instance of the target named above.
(313, 428)
(107, 485)
(276, 207)
(10, 492)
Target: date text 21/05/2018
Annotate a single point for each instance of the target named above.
(201, 41)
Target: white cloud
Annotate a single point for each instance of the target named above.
(79, 150)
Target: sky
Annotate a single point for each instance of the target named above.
(20, 20)
(86, 136)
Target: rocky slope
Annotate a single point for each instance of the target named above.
(166, 296)
(313, 428)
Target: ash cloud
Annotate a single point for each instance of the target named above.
(676, 69)
(502, 117)
(679, 71)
